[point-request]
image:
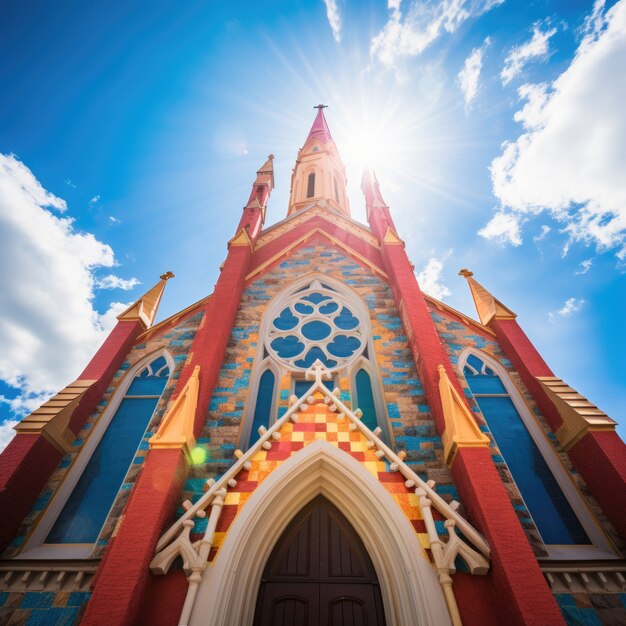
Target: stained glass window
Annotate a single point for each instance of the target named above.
(315, 324)
(550, 509)
(88, 506)
(365, 398)
(263, 406)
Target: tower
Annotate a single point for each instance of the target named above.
(316, 439)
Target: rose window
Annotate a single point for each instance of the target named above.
(317, 323)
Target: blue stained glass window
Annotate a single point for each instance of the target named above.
(345, 320)
(287, 346)
(286, 320)
(263, 406)
(365, 399)
(316, 330)
(551, 512)
(475, 362)
(327, 309)
(343, 346)
(315, 324)
(302, 386)
(491, 385)
(302, 308)
(311, 356)
(88, 506)
(316, 297)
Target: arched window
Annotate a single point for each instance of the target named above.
(336, 189)
(88, 505)
(552, 500)
(365, 398)
(310, 189)
(263, 405)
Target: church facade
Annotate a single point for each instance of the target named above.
(315, 442)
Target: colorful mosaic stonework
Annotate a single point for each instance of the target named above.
(318, 422)
(408, 418)
(49, 608)
(176, 341)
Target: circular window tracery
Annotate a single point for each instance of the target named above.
(315, 323)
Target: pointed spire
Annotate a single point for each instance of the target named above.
(145, 309)
(487, 307)
(320, 129)
(371, 190)
(176, 428)
(319, 176)
(265, 174)
(461, 430)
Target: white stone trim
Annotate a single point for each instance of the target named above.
(176, 540)
(409, 586)
(601, 548)
(35, 546)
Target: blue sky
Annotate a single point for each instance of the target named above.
(130, 135)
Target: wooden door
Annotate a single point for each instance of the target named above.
(319, 574)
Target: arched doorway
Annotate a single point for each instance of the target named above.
(319, 572)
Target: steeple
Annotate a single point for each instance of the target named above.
(378, 214)
(319, 175)
(487, 306)
(253, 215)
(320, 129)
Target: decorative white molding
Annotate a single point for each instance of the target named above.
(54, 576)
(176, 540)
(601, 548)
(582, 578)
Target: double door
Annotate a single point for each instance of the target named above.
(319, 574)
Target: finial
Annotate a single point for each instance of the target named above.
(167, 275)
(320, 106)
(270, 157)
(465, 272)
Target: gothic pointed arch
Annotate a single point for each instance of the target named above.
(563, 519)
(92, 484)
(410, 590)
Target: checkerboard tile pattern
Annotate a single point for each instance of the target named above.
(318, 422)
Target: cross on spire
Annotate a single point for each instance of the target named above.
(320, 106)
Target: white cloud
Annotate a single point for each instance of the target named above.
(536, 48)
(94, 201)
(429, 279)
(585, 266)
(114, 220)
(503, 228)
(334, 18)
(48, 326)
(425, 21)
(571, 305)
(469, 75)
(6, 433)
(110, 281)
(570, 160)
(545, 229)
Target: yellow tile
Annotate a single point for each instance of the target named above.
(423, 539)
(232, 497)
(372, 468)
